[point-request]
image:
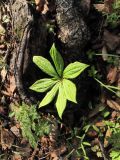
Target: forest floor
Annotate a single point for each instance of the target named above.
(28, 134)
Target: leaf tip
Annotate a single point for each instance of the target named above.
(40, 105)
(60, 115)
(53, 45)
(30, 87)
(34, 57)
(75, 101)
(87, 65)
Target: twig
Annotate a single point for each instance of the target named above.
(102, 149)
(70, 153)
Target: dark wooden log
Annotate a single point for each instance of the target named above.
(26, 72)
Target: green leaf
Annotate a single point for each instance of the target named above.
(95, 128)
(43, 85)
(61, 101)
(106, 114)
(57, 59)
(83, 149)
(45, 65)
(11, 114)
(70, 90)
(50, 95)
(86, 144)
(115, 155)
(99, 154)
(74, 69)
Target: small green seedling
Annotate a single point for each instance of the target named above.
(59, 83)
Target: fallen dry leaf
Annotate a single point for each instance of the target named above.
(54, 156)
(16, 131)
(3, 74)
(107, 135)
(100, 7)
(24, 148)
(42, 6)
(114, 105)
(92, 133)
(56, 153)
(2, 38)
(114, 115)
(36, 150)
(12, 84)
(10, 88)
(2, 46)
(6, 139)
(100, 124)
(105, 7)
(5, 93)
(2, 110)
(2, 30)
(118, 84)
(17, 157)
(109, 5)
(111, 40)
(37, 2)
(46, 9)
(112, 75)
(95, 142)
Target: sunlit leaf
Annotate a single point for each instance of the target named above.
(95, 128)
(49, 96)
(70, 90)
(57, 59)
(61, 101)
(45, 65)
(86, 144)
(115, 154)
(11, 114)
(43, 85)
(106, 114)
(99, 154)
(74, 69)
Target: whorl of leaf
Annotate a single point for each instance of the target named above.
(59, 84)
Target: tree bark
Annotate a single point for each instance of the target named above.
(71, 36)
